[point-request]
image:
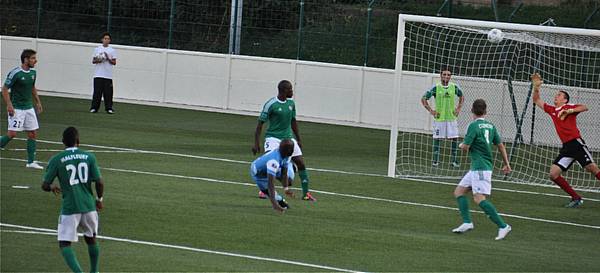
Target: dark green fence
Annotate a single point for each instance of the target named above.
(357, 32)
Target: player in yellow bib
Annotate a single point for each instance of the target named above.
(445, 114)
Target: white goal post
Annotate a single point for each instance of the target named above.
(567, 58)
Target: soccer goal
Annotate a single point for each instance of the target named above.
(497, 69)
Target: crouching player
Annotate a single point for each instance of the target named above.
(264, 170)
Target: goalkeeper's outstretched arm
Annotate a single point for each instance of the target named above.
(536, 83)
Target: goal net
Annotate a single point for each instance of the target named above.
(567, 59)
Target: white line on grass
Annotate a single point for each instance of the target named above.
(337, 194)
(313, 169)
(45, 231)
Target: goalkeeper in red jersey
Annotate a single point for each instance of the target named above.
(564, 117)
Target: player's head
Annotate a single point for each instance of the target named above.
(445, 75)
(562, 97)
(71, 137)
(285, 89)
(28, 57)
(106, 38)
(479, 108)
(286, 147)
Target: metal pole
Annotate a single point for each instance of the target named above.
(109, 15)
(39, 19)
(300, 19)
(171, 19)
(369, 13)
(238, 26)
(232, 26)
(439, 12)
(495, 10)
(519, 135)
(589, 18)
(235, 26)
(515, 11)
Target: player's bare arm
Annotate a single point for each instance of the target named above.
(51, 188)
(285, 183)
(284, 177)
(506, 168)
(464, 147)
(38, 102)
(536, 84)
(271, 187)
(428, 107)
(257, 132)
(112, 61)
(578, 109)
(296, 132)
(461, 100)
(6, 96)
(99, 193)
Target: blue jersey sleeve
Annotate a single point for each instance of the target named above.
(272, 167)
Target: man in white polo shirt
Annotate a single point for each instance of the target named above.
(105, 57)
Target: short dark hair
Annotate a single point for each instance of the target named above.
(445, 68)
(479, 107)
(26, 54)
(106, 34)
(566, 95)
(284, 85)
(70, 136)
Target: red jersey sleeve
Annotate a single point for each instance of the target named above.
(548, 108)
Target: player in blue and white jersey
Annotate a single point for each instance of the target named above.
(264, 170)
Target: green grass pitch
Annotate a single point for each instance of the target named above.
(172, 188)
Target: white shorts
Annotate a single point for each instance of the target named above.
(479, 181)
(68, 224)
(23, 120)
(445, 129)
(272, 143)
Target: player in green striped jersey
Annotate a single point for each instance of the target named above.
(19, 104)
(280, 113)
(445, 114)
(76, 170)
(481, 135)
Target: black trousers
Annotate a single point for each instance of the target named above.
(102, 88)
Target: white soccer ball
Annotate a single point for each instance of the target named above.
(495, 36)
(100, 57)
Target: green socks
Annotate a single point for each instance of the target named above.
(4, 140)
(436, 150)
(30, 150)
(463, 207)
(94, 252)
(70, 258)
(454, 149)
(30, 147)
(304, 181)
(491, 212)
